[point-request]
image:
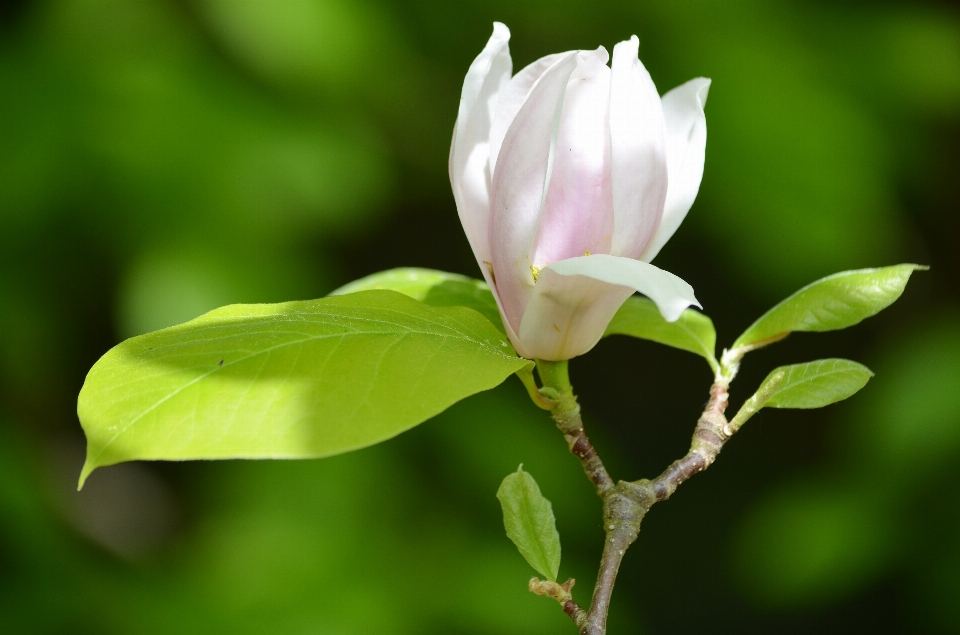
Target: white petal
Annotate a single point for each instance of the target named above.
(519, 186)
(469, 173)
(639, 164)
(686, 128)
(512, 98)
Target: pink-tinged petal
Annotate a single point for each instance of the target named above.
(469, 172)
(639, 165)
(686, 134)
(577, 216)
(519, 187)
(512, 98)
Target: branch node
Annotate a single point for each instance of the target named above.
(562, 594)
(550, 589)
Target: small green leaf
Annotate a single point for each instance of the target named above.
(528, 519)
(436, 288)
(639, 317)
(816, 384)
(292, 380)
(834, 302)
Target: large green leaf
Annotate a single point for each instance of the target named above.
(436, 288)
(530, 524)
(292, 380)
(834, 302)
(639, 317)
(816, 384)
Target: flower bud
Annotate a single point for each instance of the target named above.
(569, 177)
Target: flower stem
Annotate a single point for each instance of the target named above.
(566, 414)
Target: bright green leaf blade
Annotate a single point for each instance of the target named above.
(639, 317)
(528, 519)
(831, 303)
(436, 288)
(817, 384)
(293, 380)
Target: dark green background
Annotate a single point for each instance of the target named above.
(158, 159)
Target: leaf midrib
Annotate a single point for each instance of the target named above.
(400, 327)
(455, 335)
(533, 531)
(817, 375)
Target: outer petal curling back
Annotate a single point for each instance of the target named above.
(670, 293)
(567, 315)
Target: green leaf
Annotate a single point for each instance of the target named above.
(639, 317)
(436, 288)
(834, 302)
(816, 384)
(528, 519)
(292, 380)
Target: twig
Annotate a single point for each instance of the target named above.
(626, 503)
(624, 507)
(711, 433)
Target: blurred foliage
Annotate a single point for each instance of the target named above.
(159, 158)
(850, 525)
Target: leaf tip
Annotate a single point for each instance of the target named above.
(88, 469)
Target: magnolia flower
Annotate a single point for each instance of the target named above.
(569, 177)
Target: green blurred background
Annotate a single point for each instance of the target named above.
(159, 158)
